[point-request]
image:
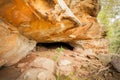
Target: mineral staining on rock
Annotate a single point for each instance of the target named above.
(25, 22)
(53, 21)
(13, 46)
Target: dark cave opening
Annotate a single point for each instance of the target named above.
(56, 45)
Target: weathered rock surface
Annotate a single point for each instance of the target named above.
(69, 64)
(104, 58)
(44, 21)
(64, 68)
(37, 74)
(116, 62)
(13, 46)
(53, 21)
(95, 45)
(39, 69)
(43, 63)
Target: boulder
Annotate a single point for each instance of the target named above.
(13, 46)
(36, 74)
(55, 20)
(64, 68)
(39, 69)
(44, 63)
(116, 62)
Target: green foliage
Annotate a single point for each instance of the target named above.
(115, 37)
(109, 16)
(59, 51)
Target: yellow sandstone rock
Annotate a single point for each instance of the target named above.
(53, 20)
(13, 46)
(44, 21)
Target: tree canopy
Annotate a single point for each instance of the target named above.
(109, 16)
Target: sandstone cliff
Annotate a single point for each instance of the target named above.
(44, 21)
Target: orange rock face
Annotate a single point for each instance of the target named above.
(13, 46)
(53, 21)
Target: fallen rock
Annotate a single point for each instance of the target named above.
(64, 68)
(13, 46)
(116, 62)
(104, 58)
(45, 75)
(64, 63)
(44, 63)
(36, 74)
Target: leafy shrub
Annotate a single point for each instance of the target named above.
(109, 16)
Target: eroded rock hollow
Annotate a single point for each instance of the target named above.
(25, 22)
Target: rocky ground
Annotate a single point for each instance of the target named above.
(60, 61)
(25, 23)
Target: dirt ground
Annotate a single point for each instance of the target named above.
(83, 64)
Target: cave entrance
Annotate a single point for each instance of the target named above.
(56, 45)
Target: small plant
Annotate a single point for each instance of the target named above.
(59, 51)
